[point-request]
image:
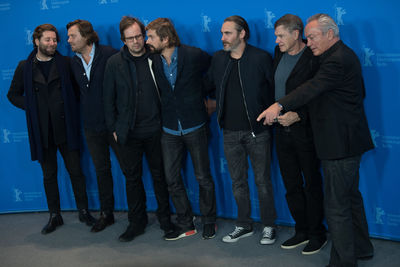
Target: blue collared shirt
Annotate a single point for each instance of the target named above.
(88, 66)
(170, 72)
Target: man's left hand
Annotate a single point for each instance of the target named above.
(288, 118)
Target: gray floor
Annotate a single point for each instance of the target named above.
(22, 244)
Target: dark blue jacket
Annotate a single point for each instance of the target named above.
(186, 101)
(91, 92)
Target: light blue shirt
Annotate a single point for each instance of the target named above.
(88, 66)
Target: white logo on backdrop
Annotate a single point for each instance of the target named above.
(205, 21)
(17, 195)
(368, 53)
(28, 37)
(379, 212)
(6, 134)
(43, 5)
(340, 11)
(268, 19)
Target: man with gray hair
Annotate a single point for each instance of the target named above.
(293, 65)
(339, 125)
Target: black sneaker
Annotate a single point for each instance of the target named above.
(314, 246)
(295, 241)
(179, 233)
(268, 236)
(209, 230)
(237, 234)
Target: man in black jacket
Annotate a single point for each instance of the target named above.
(293, 65)
(132, 110)
(179, 71)
(88, 68)
(42, 87)
(341, 135)
(241, 74)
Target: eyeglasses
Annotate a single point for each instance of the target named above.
(132, 38)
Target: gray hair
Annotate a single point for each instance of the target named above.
(326, 23)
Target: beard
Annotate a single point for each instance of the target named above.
(154, 50)
(231, 45)
(47, 50)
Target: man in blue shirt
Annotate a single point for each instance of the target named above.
(179, 73)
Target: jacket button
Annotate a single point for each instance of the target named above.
(84, 74)
(87, 85)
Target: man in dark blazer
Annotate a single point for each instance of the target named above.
(293, 65)
(179, 71)
(335, 97)
(88, 68)
(42, 87)
(132, 113)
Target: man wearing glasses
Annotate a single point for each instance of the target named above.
(132, 113)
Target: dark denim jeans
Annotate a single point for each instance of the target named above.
(345, 214)
(99, 148)
(173, 148)
(131, 155)
(73, 166)
(299, 168)
(237, 146)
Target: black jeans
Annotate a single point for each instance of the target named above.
(99, 147)
(345, 214)
(131, 160)
(173, 148)
(73, 166)
(299, 168)
(238, 145)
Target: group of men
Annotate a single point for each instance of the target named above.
(153, 97)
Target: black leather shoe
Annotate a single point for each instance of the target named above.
(131, 232)
(104, 221)
(84, 216)
(54, 221)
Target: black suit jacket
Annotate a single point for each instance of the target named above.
(335, 96)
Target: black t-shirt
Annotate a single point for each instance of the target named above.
(234, 111)
(147, 119)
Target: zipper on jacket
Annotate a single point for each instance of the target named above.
(244, 100)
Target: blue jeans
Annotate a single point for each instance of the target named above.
(238, 145)
(344, 211)
(174, 149)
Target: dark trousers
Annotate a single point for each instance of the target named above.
(73, 166)
(299, 167)
(238, 145)
(345, 212)
(99, 148)
(173, 148)
(131, 155)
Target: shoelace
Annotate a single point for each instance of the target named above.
(267, 232)
(236, 231)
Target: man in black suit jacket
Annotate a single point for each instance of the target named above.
(179, 73)
(42, 87)
(335, 96)
(88, 68)
(293, 65)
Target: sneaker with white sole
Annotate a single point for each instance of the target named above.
(268, 236)
(237, 234)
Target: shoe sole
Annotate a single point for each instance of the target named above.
(269, 242)
(237, 239)
(295, 246)
(314, 251)
(186, 234)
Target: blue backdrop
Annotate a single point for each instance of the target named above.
(369, 27)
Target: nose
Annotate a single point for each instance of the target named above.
(223, 37)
